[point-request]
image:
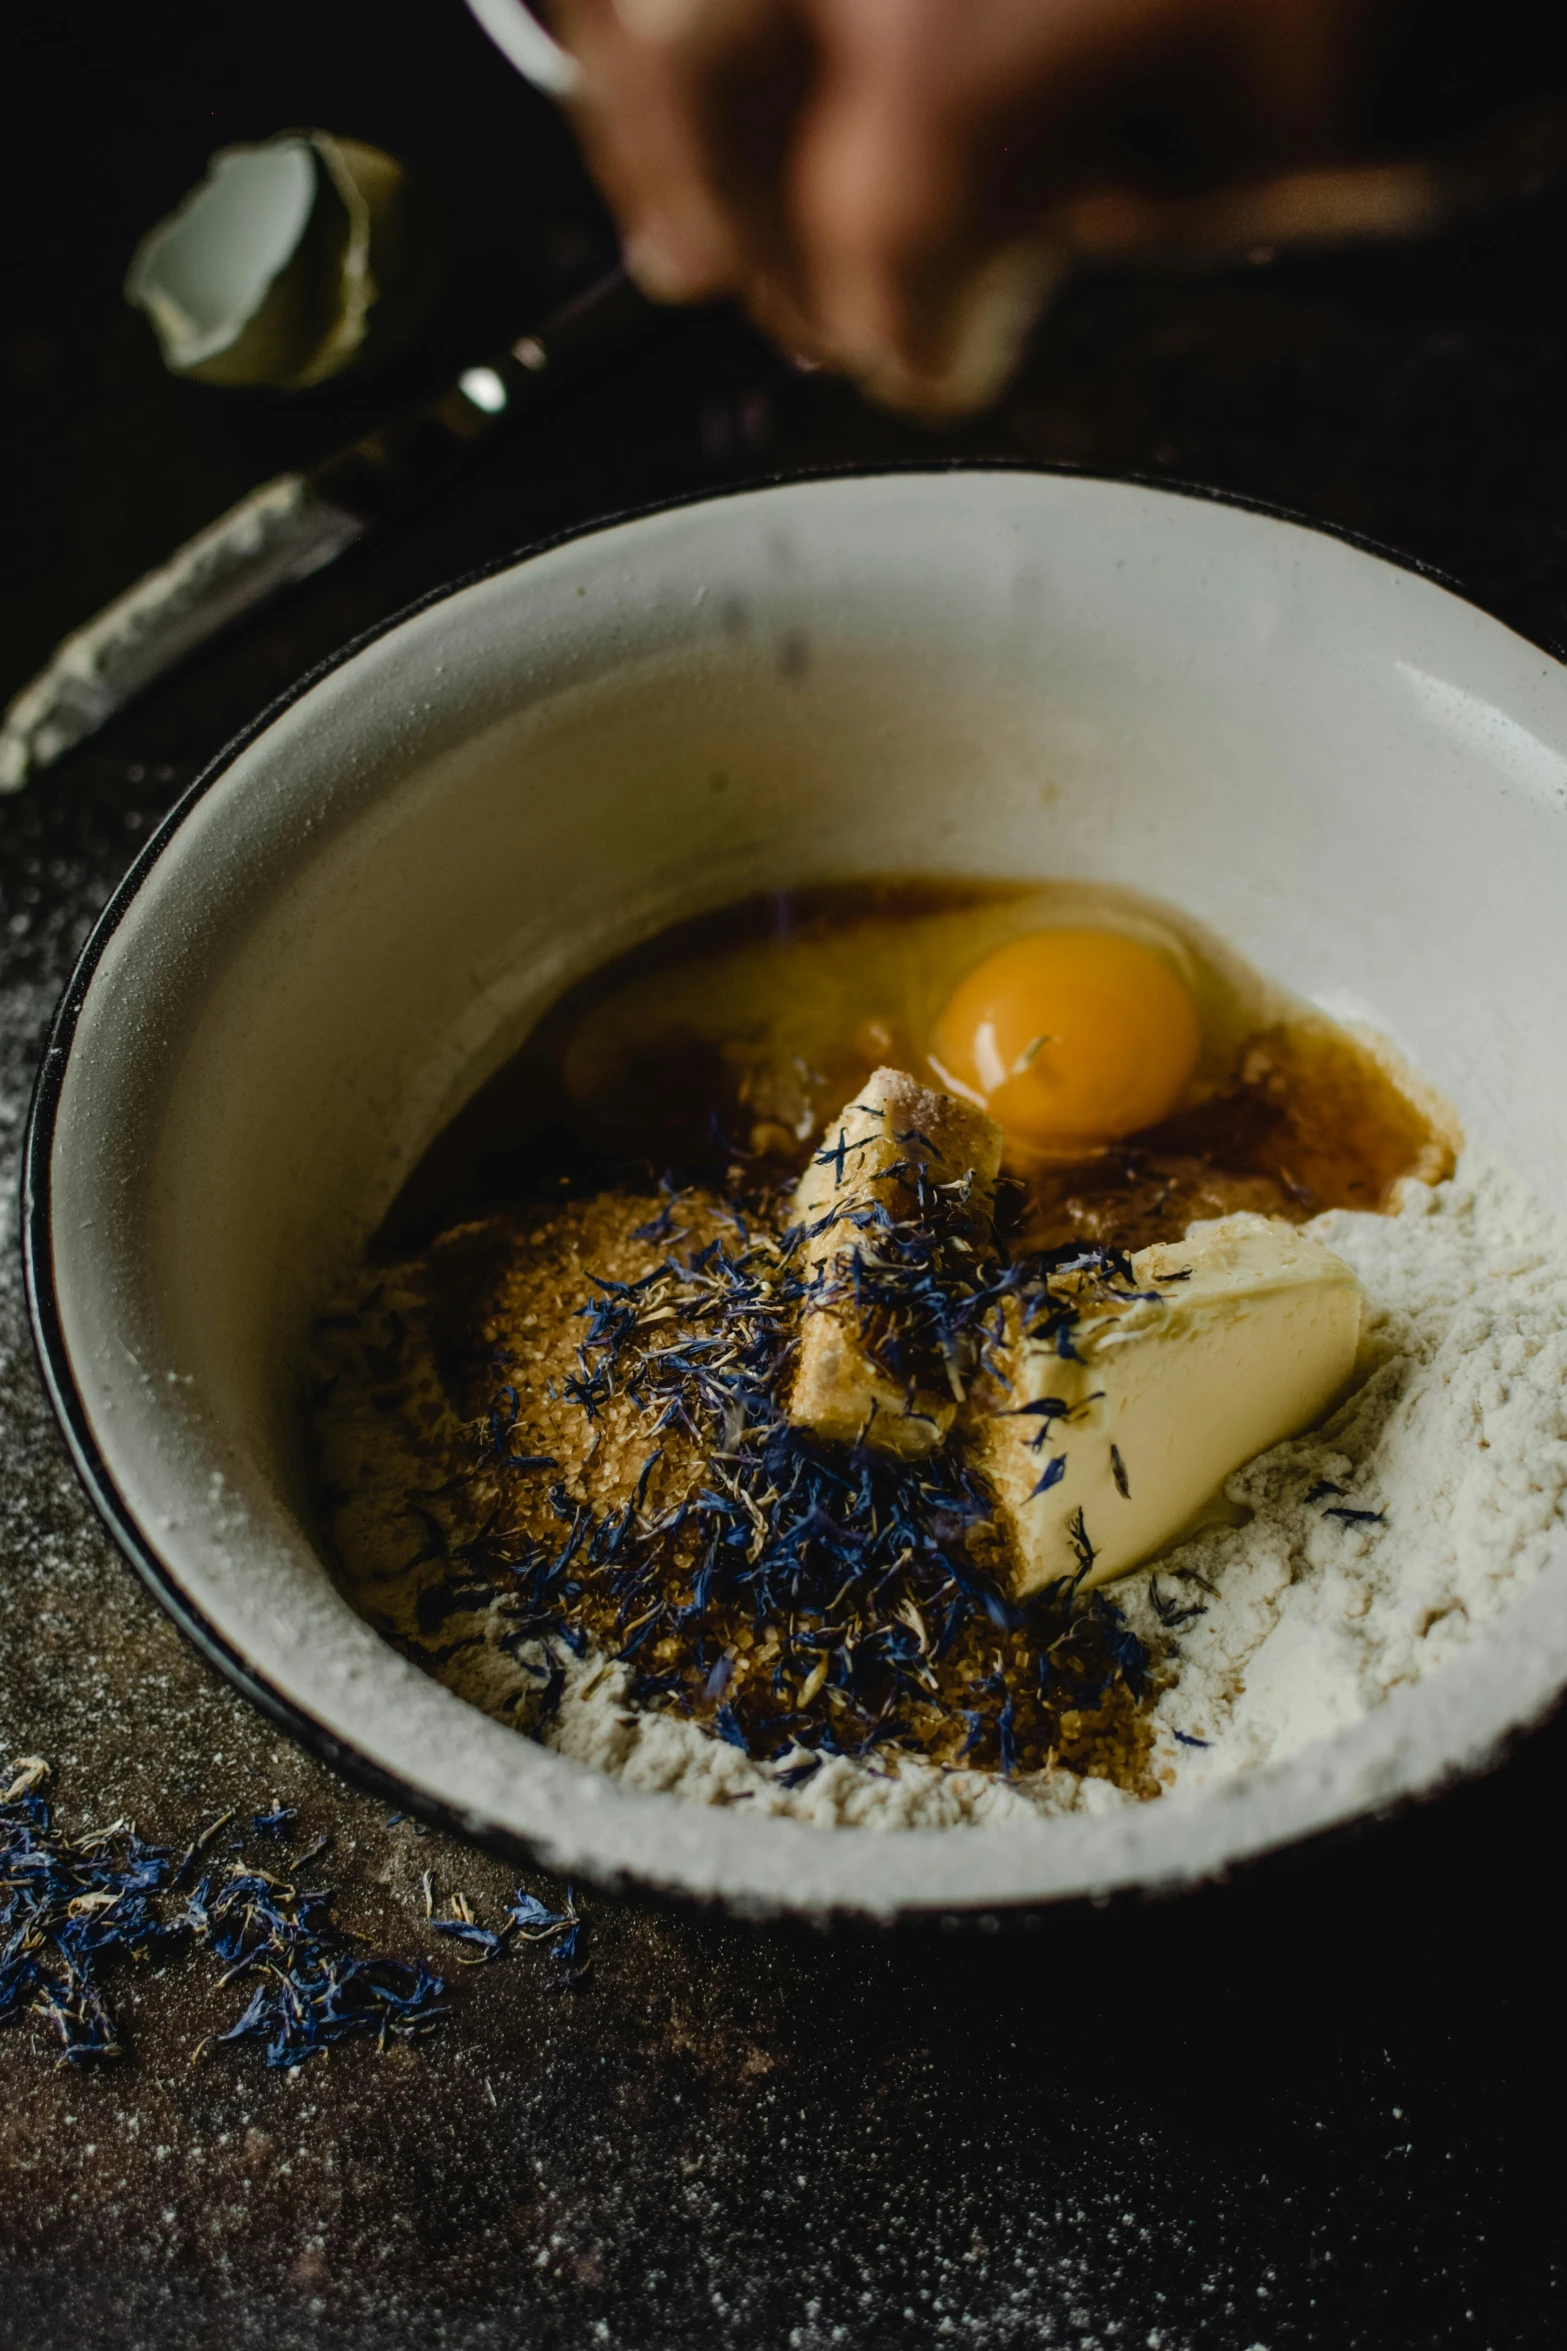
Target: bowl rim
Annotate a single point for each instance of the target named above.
(36, 1202)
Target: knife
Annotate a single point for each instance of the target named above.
(300, 522)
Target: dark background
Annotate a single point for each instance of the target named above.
(1316, 2107)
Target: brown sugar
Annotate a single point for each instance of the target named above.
(454, 1447)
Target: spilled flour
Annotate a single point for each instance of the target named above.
(1456, 1433)
(1372, 1548)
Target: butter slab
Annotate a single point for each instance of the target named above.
(1219, 1346)
(840, 1391)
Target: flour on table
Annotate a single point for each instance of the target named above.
(1456, 1433)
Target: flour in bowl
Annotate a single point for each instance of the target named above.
(1373, 1547)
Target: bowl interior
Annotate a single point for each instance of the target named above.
(1352, 776)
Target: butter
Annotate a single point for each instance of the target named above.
(1220, 1346)
(869, 1154)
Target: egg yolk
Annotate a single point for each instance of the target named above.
(1070, 1039)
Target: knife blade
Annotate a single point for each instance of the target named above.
(300, 522)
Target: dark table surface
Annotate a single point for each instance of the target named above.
(1314, 2107)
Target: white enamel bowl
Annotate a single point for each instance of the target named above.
(1352, 775)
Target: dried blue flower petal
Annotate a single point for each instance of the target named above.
(1128, 1652)
(70, 1906)
(484, 1940)
(1054, 1472)
(314, 1990)
(532, 1915)
(1173, 1613)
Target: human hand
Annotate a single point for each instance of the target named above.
(894, 187)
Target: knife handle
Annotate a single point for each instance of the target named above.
(280, 533)
(392, 469)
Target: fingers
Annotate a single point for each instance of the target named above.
(909, 289)
(749, 148)
(920, 188)
(957, 159)
(896, 187)
(686, 113)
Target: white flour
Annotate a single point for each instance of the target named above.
(1457, 1431)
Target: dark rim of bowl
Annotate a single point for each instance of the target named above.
(38, 1144)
